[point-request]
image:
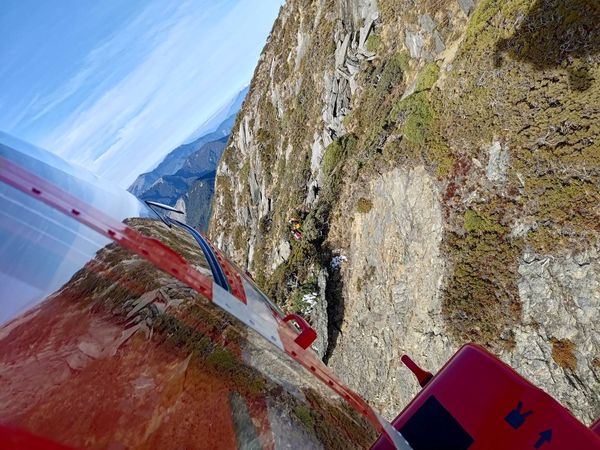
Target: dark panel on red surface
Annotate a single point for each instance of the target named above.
(448, 435)
(596, 427)
(497, 407)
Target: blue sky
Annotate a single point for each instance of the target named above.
(113, 85)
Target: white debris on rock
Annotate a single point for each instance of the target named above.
(309, 301)
(337, 261)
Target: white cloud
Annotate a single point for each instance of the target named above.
(23, 112)
(193, 63)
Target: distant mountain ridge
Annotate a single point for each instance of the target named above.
(199, 165)
(230, 108)
(177, 157)
(185, 177)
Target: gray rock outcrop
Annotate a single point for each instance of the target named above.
(557, 344)
(392, 290)
(395, 129)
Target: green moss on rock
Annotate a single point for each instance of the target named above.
(373, 43)
(364, 205)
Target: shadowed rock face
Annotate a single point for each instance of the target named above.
(197, 202)
(124, 356)
(489, 110)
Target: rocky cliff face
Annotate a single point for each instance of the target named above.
(443, 157)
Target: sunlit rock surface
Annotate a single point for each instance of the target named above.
(449, 150)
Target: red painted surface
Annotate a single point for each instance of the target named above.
(134, 394)
(307, 334)
(423, 377)
(169, 261)
(15, 438)
(480, 391)
(596, 427)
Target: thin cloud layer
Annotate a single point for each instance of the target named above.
(144, 88)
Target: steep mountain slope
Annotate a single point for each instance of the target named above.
(186, 176)
(196, 203)
(191, 187)
(176, 159)
(444, 159)
(201, 163)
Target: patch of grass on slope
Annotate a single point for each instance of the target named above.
(540, 105)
